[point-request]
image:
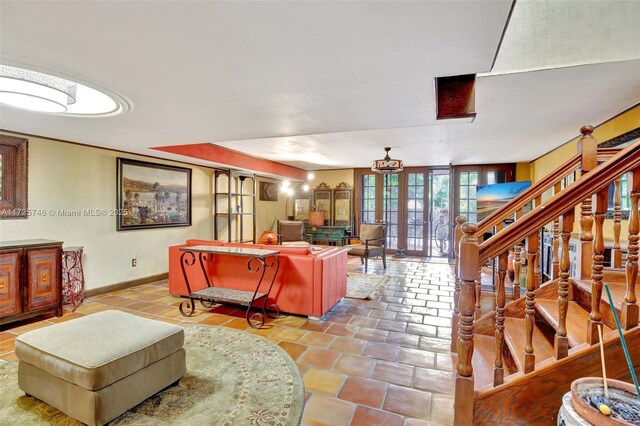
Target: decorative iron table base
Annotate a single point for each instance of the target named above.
(256, 263)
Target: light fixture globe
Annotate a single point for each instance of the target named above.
(387, 164)
(40, 92)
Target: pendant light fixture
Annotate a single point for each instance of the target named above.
(387, 164)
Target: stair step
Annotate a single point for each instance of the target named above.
(577, 319)
(484, 356)
(515, 339)
(618, 290)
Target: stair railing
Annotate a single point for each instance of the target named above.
(560, 211)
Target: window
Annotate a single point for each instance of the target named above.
(368, 208)
(467, 205)
(13, 177)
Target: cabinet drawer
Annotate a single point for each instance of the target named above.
(43, 278)
(9, 283)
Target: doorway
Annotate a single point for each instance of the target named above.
(439, 226)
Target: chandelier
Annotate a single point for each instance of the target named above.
(387, 164)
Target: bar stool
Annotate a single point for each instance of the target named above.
(72, 277)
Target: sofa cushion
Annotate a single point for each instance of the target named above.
(100, 349)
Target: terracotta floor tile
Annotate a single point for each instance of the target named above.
(372, 334)
(237, 323)
(216, 320)
(403, 339)
(364, 321)
(137, 306)
(7, 345)
(290, 321)
(417, 357)
(381, 351)
(442, 409)
(341, 330)
(11, 356)
(348, 345)
(379, 313)
(434, 380)
(435, 345)
(408, 402)
(363, 391)
(314, 325)
(393, 372)
(323, 381)
(389, 325)
(339, 317)
(431, 320)
(265, 331)
(287, 333)
(324, 411)
(444, 362)
(365, 416)
(5, 335)
(314, 338)
(355, 365)
(319, 357)
(422, 329)
(158, 309)
(293, 349)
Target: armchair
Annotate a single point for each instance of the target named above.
(372, 240)
(291, 232)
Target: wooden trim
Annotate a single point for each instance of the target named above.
(15, 174)
(124, 285)
(591, 182)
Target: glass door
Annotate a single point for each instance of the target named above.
(439, 217)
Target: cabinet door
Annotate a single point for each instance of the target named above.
(43, 289)
(9, 283)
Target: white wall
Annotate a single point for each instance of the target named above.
(74, 177)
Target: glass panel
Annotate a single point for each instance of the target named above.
(464, 206)
(472, 192)
(473, 206)
(464, 178)
(412, 179)
(472, 218)
(412, 192)
(491, 178)
(420, 179)
(412, 231)
(464, 192)
(473, 178)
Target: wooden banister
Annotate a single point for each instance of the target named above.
(561, 341)
(630, 311)
(460, 220)
(617, 225)
(498, 369)
(600, 177)
(595, 321)
(515, 205)
(533, 242)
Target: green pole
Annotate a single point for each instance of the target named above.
(622, 341)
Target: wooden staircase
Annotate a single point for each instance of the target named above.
(514, 364)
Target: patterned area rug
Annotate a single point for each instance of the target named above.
(233, 378)
(364, 286)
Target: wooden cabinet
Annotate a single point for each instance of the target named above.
(30, 279)
(329, 234)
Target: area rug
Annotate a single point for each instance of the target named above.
(364, 286)
(233, 378)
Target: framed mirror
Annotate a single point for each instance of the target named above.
(323, 202)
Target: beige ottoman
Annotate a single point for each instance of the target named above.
(97, 367)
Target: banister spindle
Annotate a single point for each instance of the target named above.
(517, 251)
(555, 265)
(478, 287)
(456, 291)
(617, 219)
(498, 369)
(469, 260)
(588, 150)
(595, 318)
(533, 242)
(561, 342)
(630, 309)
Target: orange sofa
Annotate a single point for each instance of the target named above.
(309, 282)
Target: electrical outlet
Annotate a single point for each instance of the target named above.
(134, 263)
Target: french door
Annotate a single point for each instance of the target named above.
(401, 201)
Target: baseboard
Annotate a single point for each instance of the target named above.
(124, 285)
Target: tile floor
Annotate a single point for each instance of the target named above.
(367, 362)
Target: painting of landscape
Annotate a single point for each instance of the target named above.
(152, 195)
(492, 197)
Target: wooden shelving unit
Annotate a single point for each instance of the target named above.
(234, 206)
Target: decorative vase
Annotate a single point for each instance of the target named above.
(316, 218)
(268, 238)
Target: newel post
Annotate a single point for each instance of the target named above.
(456, 292)
(588, 150)
(629, 314)
(469, 257)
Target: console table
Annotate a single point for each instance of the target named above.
(330, 234)
(258, 261)
(30, 279)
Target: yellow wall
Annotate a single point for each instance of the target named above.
(266, 211)
(74, 177)
(332, 177)
(614, 127)
(523, 171)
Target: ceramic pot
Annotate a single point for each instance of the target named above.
(316, 218)
(582, 386)
(268, 238)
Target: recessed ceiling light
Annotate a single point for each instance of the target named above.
(36, 91)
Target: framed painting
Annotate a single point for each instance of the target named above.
(268, 191)
(152, 195)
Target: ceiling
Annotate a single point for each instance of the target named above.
(311, 84)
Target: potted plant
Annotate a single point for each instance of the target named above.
(316, 214)
(269, 236)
